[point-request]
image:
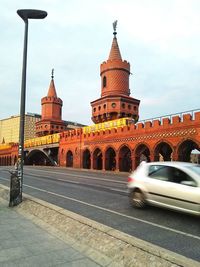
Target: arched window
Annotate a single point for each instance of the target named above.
(104, 81)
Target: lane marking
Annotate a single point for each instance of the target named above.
(113, 212)
(117, 213)
(77, 182)
(82, 176)
(92, 185)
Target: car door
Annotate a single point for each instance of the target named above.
(184, 190)
(158, 185)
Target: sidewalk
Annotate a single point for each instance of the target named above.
(23, 244)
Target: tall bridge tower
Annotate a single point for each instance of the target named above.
(115, 101)
(51, 121)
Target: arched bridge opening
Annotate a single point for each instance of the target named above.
(185, 150)
(47, 157)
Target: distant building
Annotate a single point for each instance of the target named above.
(9, 128)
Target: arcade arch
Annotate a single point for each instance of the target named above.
(97, 159)
(87, 159)
(163, 152)
(125, 163)
(69, 159)
(185, 148)
(110, 159)
(142, 153)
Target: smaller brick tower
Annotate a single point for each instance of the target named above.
(115, 101)
(51, 121)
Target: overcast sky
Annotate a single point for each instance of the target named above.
(160, 39)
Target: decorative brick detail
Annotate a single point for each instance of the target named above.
(177, 133)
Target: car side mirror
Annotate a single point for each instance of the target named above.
(189, 183)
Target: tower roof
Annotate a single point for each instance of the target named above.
(115, 52)
(52, 89)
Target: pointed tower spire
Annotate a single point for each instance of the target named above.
(52, 89)
(115, 52)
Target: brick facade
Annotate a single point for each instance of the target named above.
(163, 139)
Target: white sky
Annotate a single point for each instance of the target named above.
(160, 39)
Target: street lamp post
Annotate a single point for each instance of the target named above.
(17, 177)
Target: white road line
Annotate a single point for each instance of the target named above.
(117, 213)
(113, 212)
(94, 185)
(81, 176)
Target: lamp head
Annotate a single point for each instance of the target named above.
(26, 14)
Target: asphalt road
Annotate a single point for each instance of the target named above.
(103, 198)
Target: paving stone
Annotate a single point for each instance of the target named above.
(25, 244)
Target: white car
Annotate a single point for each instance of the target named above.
(172, 185)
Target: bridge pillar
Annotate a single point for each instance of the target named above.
(117, 160)
(103, 162)
(174, 156)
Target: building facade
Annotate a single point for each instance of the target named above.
(9, 128)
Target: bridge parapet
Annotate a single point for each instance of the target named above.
(5, 146)
(43, 140)
(188, 118)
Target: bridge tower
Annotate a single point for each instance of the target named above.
(115, 101)
(51, 121)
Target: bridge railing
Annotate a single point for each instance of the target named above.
(170, 116)
(43, 140)
(5, 146)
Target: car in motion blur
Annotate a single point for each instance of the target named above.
(172, 185)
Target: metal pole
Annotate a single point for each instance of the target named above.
(17, 177)
(22, 112)
(16, 181)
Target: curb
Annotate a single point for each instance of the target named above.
(103, 244)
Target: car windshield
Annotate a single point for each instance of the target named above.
(195, 169)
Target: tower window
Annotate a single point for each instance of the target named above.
(123, 105)
(104, 106)
(104, 81)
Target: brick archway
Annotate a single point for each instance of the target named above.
(185, 148)
(69, 159)
(125, 163)
(163, 152)
(86, 159)
(110, 159)
(38, 157)
(97, 159)
(142, 153)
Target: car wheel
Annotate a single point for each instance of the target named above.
(137, 199)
